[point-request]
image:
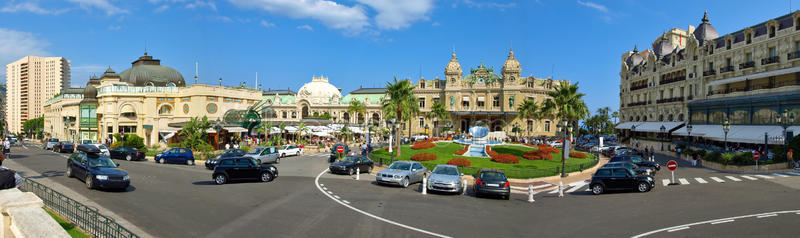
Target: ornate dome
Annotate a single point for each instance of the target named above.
(663, 47)
(146, 70)
(319, 91)
(453, 67)
(635, 58)
(511, 65)
(705, 31)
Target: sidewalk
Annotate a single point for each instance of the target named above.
(550, 183)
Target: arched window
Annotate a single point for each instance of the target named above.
(661, 117)
(165, 110)
(304, 112)
(294, 114)
(452, 80)
(670, 117)
(171, 85)
(771, 31)
(149, 84)
(376, 117)
(346, 116)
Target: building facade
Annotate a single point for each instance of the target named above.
(3, 103)
(30, 82)
(696, 76)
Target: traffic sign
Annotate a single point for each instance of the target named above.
(672, 165)
(756, 155)
(340, 149)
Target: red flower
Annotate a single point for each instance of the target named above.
(461, 162)
(423, 157)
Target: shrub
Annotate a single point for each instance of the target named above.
(462, 151)
(423, 157)
(505, 158)
(547, 149)
(577, 155)
(461, 162)
(537, 155)
(423, 145)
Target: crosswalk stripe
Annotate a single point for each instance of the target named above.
(665, 182)
(780, 175)
(748, 177)
(733, 178)
(719, 180)
(573, 189)
(793, 173)
(554, 191)
(700, 180)
(683, 181)
(763, 176)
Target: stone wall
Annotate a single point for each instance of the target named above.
(23, 216)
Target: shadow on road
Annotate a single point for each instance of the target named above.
(130, 188)
(49, 174)
(15, 156)
(204, 183)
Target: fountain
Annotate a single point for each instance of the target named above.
(477, 144)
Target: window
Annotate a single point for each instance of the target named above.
(171, 85)
(530, 83)
(421, 102)
(436, 84)
(749, 57)
(185, 108)
(621, 172)
(243, 163)
(749, 38)
(772, 52)
(771, 31)
(211, 108)
(496, 101)
(421, 122)
(165, 110)
(530, 125)
(452, 80)
(465, 101)
(604, 172)
(547, 126)
(294, 114)
(417, 166)
(422, 85)
(728, 44)
(710, 65)
(480, 102)
(127, 129)
(283, 114)
(728, 62)
(227, 162)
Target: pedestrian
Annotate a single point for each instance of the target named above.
(6, 148)
(227, 146)
(646, 152)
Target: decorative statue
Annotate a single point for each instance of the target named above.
(452, 100)
(511, 101)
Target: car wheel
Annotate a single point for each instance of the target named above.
(369, 170)
(508, 197)
(69, 172)
(128, 158)
(283, 155)
(642, 187)
(404, 182)
(163, 161)
(278, 160)
(597, 189)
(189, 162)
(220, 179)
(266, 177)
(352, 171)
(89, 182)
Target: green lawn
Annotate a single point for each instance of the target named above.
(71, 229)
(524, 169)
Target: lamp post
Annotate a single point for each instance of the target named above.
(427, 131)
(726, 127)
(633, 128)
(220, 81)
(391, 124)
(785, 120)
(662, 129)
(564, 146)
(516, 130)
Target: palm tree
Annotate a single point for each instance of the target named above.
(344, 133)
(438, 111)
(615, 115)
(300, 129)
(400, 95)
(282, 127)
(566, 103)
(603, 112)
(529, 110)
(356, 108)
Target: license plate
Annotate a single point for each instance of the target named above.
(492, 185)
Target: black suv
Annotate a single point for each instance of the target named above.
(637, 161)
(350, 164)
(96, 169)
(242, 168)
(607, 179)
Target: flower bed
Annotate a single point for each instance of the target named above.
(547, 149)
(537, 155)
(423, 145)
(423, 157)
(461, 152)
(501, 158)
(578, 155)
(461, 162)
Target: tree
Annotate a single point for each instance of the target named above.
(400, 99)
(33, 126)
(567, 104)
(615, 115)
(357, 108)
(438, 111)
(280, 139)
(300, 129)
(194, 134)
(529, 110)
(345, 133)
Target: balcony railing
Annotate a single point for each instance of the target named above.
(770, 60)
(690, 97)
(753, 87)
(793, 55)
(135, 89)
(637, 104)
(709, 72)
(672, 80)
(633, 88)
(748, 64)
(728, 68)
(668, 100)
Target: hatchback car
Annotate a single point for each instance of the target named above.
(352, 164)
(608, 179)
(176, 155)
(64, 146)
(126, 153)
(287, 150)
(96, 169)
(211, 163)
(401, 173)
(48, 145)
(446, 178)
(242, 168)
(265, 155)
(491, 182)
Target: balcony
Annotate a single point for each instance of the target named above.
(726, 69)
(690, 97)
(752, 87)
(637, 104)
(770, 60)
(748, 64)
(672, 80)
(709, 72)
(669, 100)
(633, 88)
(793, 55)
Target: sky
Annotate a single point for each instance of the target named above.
(359, 43)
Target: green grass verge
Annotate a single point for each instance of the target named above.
(71, 229)
(524, 169)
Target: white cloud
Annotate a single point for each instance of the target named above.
(161, 8)
(305, 27)
(351, 19)
(201, 3)
(103, 5)
(593, 5)
(500, 6)
(399, 14)
(32, 7)
(17, 44)
(267, 24)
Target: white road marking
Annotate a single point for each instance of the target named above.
(700, 180)
(793, 173)
(316, 182)
(767, 215)
(683, 181)
(665, 182)
(781, 175)
(323, 185)
(678, 229)
(763, 176)
(719, 180)
(720, 222)
(711, 222)
(345, 201)
(733, 178)
(748, 177)
(337, 197)
(329, 192)
(573, 189)
(554, 191)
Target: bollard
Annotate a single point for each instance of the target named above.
(530, 193)
(424, 185)
(464, 190)
(581, 167)
(358, 173)
(560, 189)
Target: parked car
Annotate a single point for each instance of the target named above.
(639, 170)
(103, 149)
(350, 164)
(446, 178)
(556, 144)
(491, 182)
(211, 163)
(126, 153)
(176, 155)
(48, 145)
(335, 155)
(242, 168)
(96, 170)
(265, 155)
(287, 150)
(608, 179)
(401, 173)
(64, 146)
(637, 161)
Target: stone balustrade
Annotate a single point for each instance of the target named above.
(23, 216)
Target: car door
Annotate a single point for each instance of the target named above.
(82, 166)
(229, 166)
(244, 169)
(418, 171)
(183, 156)
(621, 179)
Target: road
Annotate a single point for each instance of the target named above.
(181, 201)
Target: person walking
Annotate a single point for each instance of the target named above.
(6, 148)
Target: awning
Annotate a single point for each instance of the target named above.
(169, 129)
(697, 130)
(754, 134)
(465, 98)
(147, 127)
(480, 99)
(627, 125)
(755, 76)
(656, 126)
(235, 129)
(127, 109)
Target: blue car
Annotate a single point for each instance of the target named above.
(176, 155)
(96, 169)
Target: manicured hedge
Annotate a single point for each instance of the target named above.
(547, 148)
(461, 152)
(537, 155)
(577, 155)
(501, 158)
(423, 145)
(423, 157)
(461, 162)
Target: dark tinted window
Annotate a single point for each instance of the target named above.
(620, 172)
(243, 162)
(636, 159)
(603, 172)
(227, 162)
(492, 176)
(417, 166)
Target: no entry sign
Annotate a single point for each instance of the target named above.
(340, 149)
(672, 165)
(756, 155)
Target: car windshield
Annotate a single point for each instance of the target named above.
(445, 170)
(102, 161)
(103, 147)
(350, 159)
(53, 140)
(636, 159)
(400, 166)
(256, 151)
(492, 176)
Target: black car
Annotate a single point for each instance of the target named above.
(64, 146)
(491, 182)
(242, 168)
(96, 169)
(639, 170)
(637, 161)
(350, 164)
(608, 179)
(126, 153)
(335, 155)
(211, 163)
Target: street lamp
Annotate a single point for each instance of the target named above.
(726, 127)
(689, 131)
(564, 146)
(662, 129)
(785, 120)
(390, 122)
(220, 81)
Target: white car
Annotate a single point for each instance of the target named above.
(287, 150)
(103, 149)
(556, 144)
(597, 148)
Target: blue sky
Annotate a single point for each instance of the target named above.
(358, 42)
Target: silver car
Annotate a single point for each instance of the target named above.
(48, 145)
(445, 178)
(401, 173)
(265, 155)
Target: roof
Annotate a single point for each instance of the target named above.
(279, 92)
(369, 91)
(73, 91)
(147, 70)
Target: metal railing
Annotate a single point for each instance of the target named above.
(85, 217)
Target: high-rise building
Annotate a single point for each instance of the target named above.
(2, 104)
(30, 81)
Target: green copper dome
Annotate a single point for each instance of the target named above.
(147, 71)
